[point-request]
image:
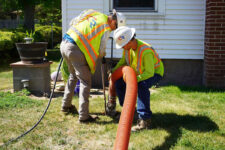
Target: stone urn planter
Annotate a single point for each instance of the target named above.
(32, 53)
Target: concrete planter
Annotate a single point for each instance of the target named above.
(32, 53)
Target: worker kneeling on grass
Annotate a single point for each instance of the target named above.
(82, 45)
(149, 70)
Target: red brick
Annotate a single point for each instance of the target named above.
(210, 12)
(210, 44)
(218, 84)
(209, 28)
(209, 59)
(219, 52)
(214, 32)
(209, 20)
(213, 63)
(214, 48)
(220, 3)
(222, 12)
(213, 55)
(222, 71)
(216, 8)
(213, 16)
(214, 40)
(216, 68)
(209, 52)
(211, 4)
(222, 56)
(209, 36)
(212, 24)
(219, 75)
(220, 20)
(220, 60)
(222, 28)
(212, 1)
(219, 67)
(210, 76)
(219, 44)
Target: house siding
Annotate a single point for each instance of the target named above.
(176, 34)
(176, 31)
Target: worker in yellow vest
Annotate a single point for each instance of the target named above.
(149, 70)
(82, 45)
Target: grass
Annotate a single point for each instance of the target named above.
(6, 77)
(184, 118)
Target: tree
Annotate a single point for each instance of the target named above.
(28, 8)
(6, 7)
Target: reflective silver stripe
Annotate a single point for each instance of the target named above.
(139, 57)
(156, 65)
(155, 53)
(96, 31)
(85, 14)
(85, 42)
(127, 57)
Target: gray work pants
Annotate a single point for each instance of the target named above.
(78, 68)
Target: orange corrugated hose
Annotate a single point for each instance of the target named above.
(127, 114)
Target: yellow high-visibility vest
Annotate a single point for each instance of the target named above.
(158, 66)
(87, 34)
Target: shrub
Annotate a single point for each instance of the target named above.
(53, 54)
(44, 34)
(65, 71)
(9, 38)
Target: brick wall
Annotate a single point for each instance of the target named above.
(214, 61)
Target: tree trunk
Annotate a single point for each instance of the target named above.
(29, 9)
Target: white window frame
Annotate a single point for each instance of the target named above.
(159, 10)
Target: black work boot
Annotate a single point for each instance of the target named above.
(91, 118)
(142, 124)
(71, 109)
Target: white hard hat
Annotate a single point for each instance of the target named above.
(123, 35)
(121, 19)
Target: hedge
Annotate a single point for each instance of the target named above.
(44, 34)
(9, 38)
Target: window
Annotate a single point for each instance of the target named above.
(134, 5)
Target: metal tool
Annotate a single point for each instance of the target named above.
(103, 79)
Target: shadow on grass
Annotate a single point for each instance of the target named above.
(5, 68)
(101, 122)
(173, 123)
(201, 89)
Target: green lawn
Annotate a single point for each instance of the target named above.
(183, 118)
(6, 78)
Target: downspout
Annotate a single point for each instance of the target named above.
(127, 114)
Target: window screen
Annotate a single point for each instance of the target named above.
(134, 5)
